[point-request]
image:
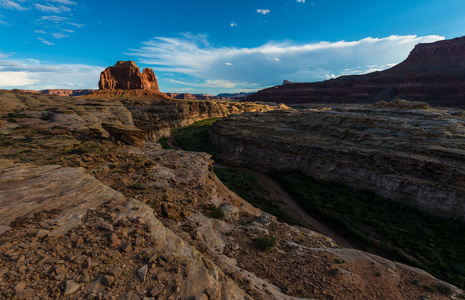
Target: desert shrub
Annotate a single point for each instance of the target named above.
(334, 271)
(137, 186)
(77, 151)
(429, 288)
(164, 143)
(265, 242)
(444, 289)
(217, 213)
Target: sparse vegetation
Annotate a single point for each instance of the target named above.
(77, 151)
(444, 289)
(195, 137)
(137, 186)
(247, 187)
(396, 230)
(217, 213)
(164, 143)
(429, 288)
(334, 271)
(265, 242)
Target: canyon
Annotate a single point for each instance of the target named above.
(402, 150)
(434, 73)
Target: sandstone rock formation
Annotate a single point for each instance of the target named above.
(158, 118)
(125, 75)
(432, 72)
(402, 150)
(136, 222)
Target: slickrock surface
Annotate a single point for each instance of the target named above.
(125, 75)
(432, 72)
(402, 150)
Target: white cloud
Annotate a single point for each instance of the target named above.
(68, 30)
(11, 5)
(193, 55)
(263, 11)
(65, 2)
(33, 74)
(233, 24)
(40, 31)
(53, 18)
(77, 25)
(228, 64)
(59, 35)
(15, 79)
(52, 9)
(301, 1)
(46, 42)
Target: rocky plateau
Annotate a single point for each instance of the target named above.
(90, 208)
(434, 73)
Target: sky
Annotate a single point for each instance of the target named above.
(213, 46)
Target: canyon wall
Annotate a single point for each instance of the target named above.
(403, 151)
(434, 73)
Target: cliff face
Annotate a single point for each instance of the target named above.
(433, 72)
(402, 151)
(125, 75)
(158, 118)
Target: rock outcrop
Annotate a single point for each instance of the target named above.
(402, 150)
(433, 72)
(125, 75)
(158, 118)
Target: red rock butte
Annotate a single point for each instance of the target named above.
(126, 75)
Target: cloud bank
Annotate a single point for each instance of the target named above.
(35, 75)
(273, 62)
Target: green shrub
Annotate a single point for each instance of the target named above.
(137, 186)
(429, 288)
(416, 282)
(334, 271)
(217, 213)
(444, 289)
(77, 151)
(265, 242)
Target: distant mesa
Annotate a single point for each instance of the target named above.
(62, 92)
(126, 75)
(433, 72)
(286, 82)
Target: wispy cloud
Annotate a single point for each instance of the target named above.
(77, 25)
(65, 2)
(68, 30)
(301, 1)
(52, 9)
(270, 63)
(233, 24)
(45, 42)
(9, 4)
(33, 74)
(40, 31)
(59, 35)
(263, 11)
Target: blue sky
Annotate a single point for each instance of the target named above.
(216, 45)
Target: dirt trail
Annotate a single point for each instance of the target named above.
(288, 203)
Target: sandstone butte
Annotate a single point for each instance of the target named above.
(125, 75)
(88, 214)
(433, 72)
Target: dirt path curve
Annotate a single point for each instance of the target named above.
(291, 206)
(288, 203)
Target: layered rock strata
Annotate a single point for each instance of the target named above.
(433, 72)
(403, 151)
(158, 118)
(125, 75)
